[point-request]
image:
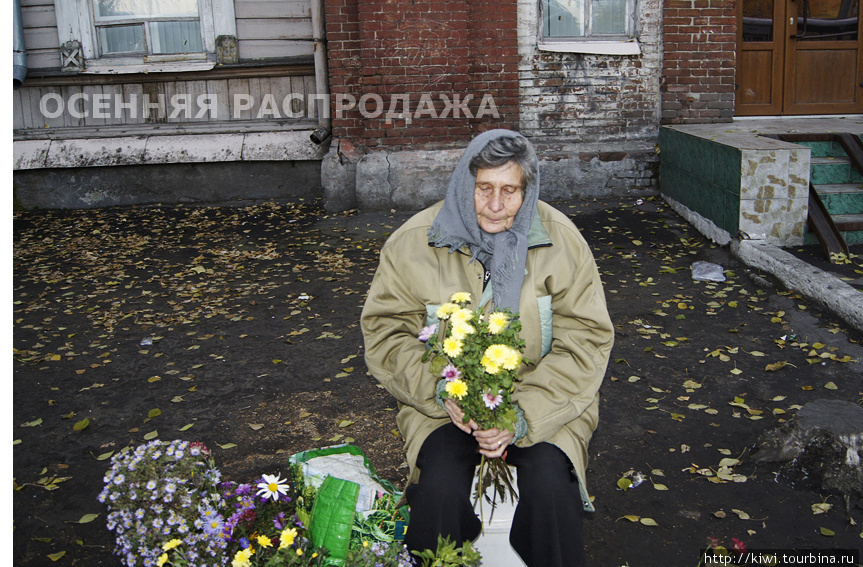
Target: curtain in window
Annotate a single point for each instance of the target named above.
(176, 37)
(569, 18)
(563, 18)
(122, 39)
(145, 8)
(609, 16)
(160, 35)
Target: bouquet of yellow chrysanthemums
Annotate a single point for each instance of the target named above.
(478, 355)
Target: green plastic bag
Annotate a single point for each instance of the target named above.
(357, 468)
(348, 488)
(333, 517)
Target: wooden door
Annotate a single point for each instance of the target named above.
(823, 64)
(798, 57)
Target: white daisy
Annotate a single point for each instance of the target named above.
(272, 487)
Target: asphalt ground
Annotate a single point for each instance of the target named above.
(240, 325)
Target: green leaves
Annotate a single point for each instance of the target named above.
(437, 364)
(447, 555)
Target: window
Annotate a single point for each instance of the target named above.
(127, 36)
(589, 26)
(147, 26)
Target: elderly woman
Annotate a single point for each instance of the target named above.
(492, 237)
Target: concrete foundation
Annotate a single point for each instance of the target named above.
(413, 179)
(225, 182)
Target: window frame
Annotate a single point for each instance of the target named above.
(76, 22)
(608, 44)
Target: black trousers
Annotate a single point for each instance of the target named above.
(547, 524)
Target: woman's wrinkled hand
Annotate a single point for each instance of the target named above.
(456, 415)
(493, 442)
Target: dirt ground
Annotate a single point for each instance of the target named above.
(242, 322)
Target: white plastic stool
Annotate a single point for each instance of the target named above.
(493, 542)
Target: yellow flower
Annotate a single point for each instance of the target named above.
(457, 389)
(167, 546)
(299, 551)
(490, 365)
(452, 347)
(241, 559)
(162, 560)
(461, 316)
(511, 359)
(461, 297)
(365, 543)
(500, 356)
(286, 538)
(264, 541)
(461, 330)
(445, 310)
(497, 322)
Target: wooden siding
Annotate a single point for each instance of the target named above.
(273, 28)
(40, 34)
(267, 94)
(266, 30)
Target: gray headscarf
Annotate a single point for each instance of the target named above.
(504, 254)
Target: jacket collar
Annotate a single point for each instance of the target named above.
(537, 236)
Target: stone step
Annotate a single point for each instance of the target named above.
(829, 160)
(841, 198)
(833, 170)
(837, 188)
(848, 222)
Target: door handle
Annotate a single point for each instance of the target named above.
(805, 21)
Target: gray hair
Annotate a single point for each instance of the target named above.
(501, 151)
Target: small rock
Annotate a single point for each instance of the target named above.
(821, 467)
(820, 446)
(842, 419)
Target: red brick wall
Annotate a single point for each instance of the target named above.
(434, 54)
(698, 63)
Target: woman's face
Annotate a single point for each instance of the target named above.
(498, 195)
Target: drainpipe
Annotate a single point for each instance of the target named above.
(322, 85)
(19, 52)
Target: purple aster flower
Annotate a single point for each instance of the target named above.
(279, 520)
(214, 525)
(298, 523)
(491, 401)
(451, 373)
(427, 332)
